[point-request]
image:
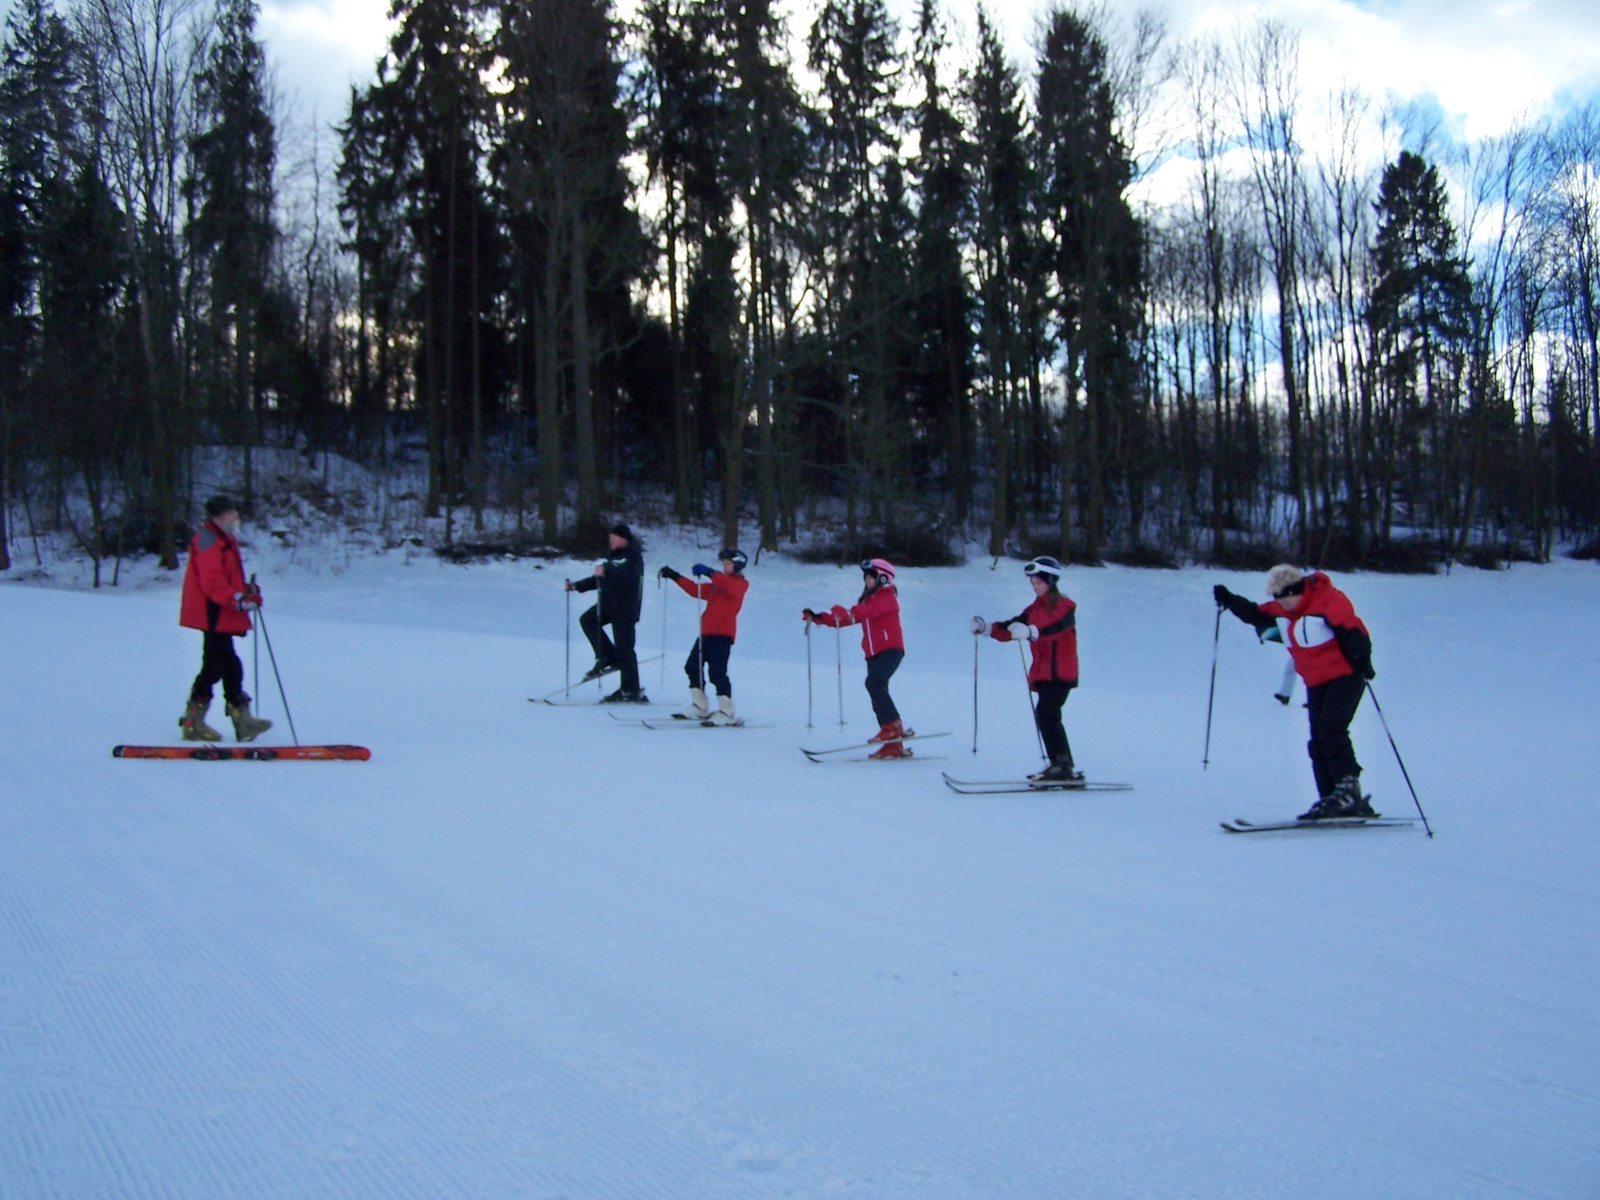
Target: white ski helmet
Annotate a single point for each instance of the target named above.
(1046, 566)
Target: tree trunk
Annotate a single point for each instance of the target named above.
(582, 395)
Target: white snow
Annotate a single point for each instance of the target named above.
(530, 952)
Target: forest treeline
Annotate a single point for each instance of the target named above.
(1130, 299)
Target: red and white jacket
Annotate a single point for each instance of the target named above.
(213, 581)
(723, 595)
(1312, 631)
(1055, 649)
(879, 618)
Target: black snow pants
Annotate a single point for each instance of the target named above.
(1331, 706)
(879, 668)
(219, 662)
(717, 649)
(1047, 716)
(616, 650)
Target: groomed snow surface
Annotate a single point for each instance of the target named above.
(530, 952)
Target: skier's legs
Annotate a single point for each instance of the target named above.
(589, 622)
(879, 668)
(1331, 706)
(1047, 715)
(692, 668)
(717, 649)
(627, 661)
(218, 663)
(1332, 754)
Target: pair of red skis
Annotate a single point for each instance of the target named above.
(211, 752)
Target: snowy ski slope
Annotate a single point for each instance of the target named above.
(530, 952)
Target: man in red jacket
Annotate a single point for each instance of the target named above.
(1050, 626)
(724, 594)
(218, 602)
(1332, 653)
(878, 614)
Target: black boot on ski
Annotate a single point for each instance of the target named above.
(601, 667)
(626, 696)
(1057, 772)
(1343, 800)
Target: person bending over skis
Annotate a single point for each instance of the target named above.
(218, 602)
(878, 614)
(620, 582)
(723, 593)
(1332, 653)
(1049, 624)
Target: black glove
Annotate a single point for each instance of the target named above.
(667, 573)
(1221, 595)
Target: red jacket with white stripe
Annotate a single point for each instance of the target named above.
(879, 618)
(1312, 632)
(212, 582)
(723, 596)
(1055, 649)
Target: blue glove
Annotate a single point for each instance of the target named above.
(702, 569)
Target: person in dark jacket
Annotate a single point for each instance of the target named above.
(619, 578)
(723, 592)
(1332, 654)
(218, 602)
(1049, 625)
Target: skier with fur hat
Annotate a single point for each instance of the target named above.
(619, 579)
(723, 593)
(1332, 654)
(878, 614)
(218, 602)
(1049, 626)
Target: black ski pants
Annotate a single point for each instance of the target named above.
(879, 667)
(616, 650)
(1047, 716)
(717, 649)
(1331, 706)
(219, 662)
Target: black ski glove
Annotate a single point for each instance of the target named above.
(1221, 595)
(667, 573)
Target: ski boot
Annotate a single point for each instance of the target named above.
(699, 708)
(724, 715)
(1057, 772)
(1344, 799)
(602, 666)
(890, 736)
(626, 696)
(193, 723)
(245, 727)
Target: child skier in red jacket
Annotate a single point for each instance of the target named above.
(1332, 652)
(724, 594)
(1049, 625)
(218, 602)
(878, 614)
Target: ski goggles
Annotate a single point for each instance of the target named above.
(1293, 589)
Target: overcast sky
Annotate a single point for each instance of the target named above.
(1483, 63)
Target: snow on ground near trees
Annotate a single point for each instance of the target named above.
(530, 952)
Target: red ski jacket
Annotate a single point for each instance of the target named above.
(723, 596)
(1313, 632)
(1055, 650)
(879, 618)
(212, 582)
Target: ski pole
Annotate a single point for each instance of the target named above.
(808, 675)
(1032, 706)
(838, 659)
(274, 658)
(659, 587)
(974, 692)
(567, 679)
(1216, 636)
(255, 654)
(1398, 759)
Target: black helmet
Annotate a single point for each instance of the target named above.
(734, 555)
(1044, 565)
(218, 505)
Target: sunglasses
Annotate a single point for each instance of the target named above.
(1294, 589)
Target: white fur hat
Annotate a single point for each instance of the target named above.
(1281, 576)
